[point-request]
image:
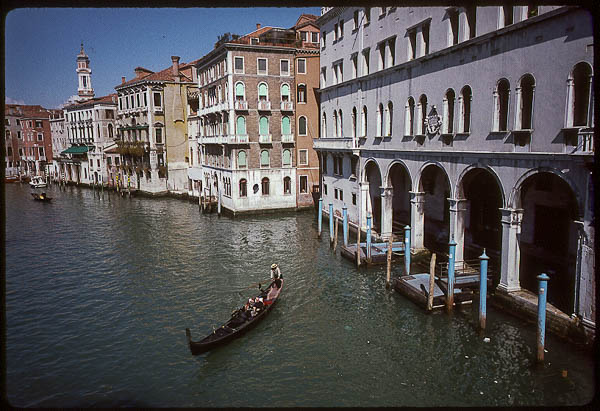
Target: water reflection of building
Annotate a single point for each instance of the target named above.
(464, 124)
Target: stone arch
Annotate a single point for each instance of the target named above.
(373, 178)
(399, 179)
(418, 183)
(434, 182)
(459, 185)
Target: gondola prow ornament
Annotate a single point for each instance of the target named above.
(433, 121)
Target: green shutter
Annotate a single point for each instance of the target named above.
(263, 126)
(262, 89)
(239, 89)
(285, 125)
(264, 158)
(285, 90)
(287, 157)
(242, 159)
(241, 126)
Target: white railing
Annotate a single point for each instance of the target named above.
(287, 138)
(264, 105)
(241, 105)
(237, 138)
(265, 138)
(287, 106)
(340, 143)
(585, 142)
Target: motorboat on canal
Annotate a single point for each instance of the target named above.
(37, 182)
(237, 324)
(41, 197)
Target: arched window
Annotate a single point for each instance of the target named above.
(354, 123)
(325, 163)
(579, 96)
(110, 131)
(263, 92)
(525, 90)
(286, 127)
(448, 114)
(242, 159)
(465, 109)
(389, 117)
(243, 188)
(286, 158)
(287, 185)
(240, 91)
(364, 122)
(501, 96)
(240, 129)
(422, 114)
(409, 117)
(301, 93)
(264, 158)
(302, 126)
(265, 186)
(341, 124)
(263, 126)
(380, 120)
(324, 126)
(220, 95)
(335, 124)
(285, 92)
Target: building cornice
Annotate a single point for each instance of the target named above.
(334, 12)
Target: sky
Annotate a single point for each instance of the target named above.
(42, 44)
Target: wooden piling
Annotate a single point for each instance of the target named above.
(335, 237)
(431, 283)
(389, 260)
(358, 244)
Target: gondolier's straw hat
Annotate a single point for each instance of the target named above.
(273, 266)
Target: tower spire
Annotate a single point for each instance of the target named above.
(84, 76)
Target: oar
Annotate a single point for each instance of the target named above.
(253, 285)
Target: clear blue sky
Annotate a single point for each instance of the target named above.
(42, 44)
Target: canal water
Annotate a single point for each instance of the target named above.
(99, 291)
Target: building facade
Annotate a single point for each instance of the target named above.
(248, 138)
(60, 141)
(13, 140)
(464, 124)
(152, 128)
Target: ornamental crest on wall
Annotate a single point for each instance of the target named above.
(433, 121)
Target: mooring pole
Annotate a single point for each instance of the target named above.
(369, 218)
(407, 250)
(483, 267)
(219, 202)
(450, 291)
(320, 216)
(431, 283)
(358, 228)
(389, 260)
(345, 224)
(330, 224)
(541, 330)
(335, 237)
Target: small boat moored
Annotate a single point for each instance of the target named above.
(37, 182)
(241, 321)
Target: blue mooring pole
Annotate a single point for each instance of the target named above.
(320, 218)
(541, 330)
(407, 249)
(369, 217)
(345, 224)
(331, 223)
(450, 292)
(483, 267)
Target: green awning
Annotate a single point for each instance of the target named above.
(76, 150)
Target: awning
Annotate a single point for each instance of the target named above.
(76, 150)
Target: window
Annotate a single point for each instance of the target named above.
(301, 66)
(354, 59)
(18, 122)
(263, 93)
(465, 109)
(264, 158)
(19, 136)
(412, 44)
(38, 123)
(238, 65)
(41, 151)
(137, 99)
(353, 198)
(323, 40)
(506, 16)
(579, 92)
(285, 92)
(336, 124)
(341, 124)
(532, 11)
(284, 67)
(341, 28)
(367, 15)
(324, 126)
(335, 32)
(301, 93)
(365, 68)
(382, 11)
(302, 126)
(409, 118)
(157, 100)
(448, 113)
(325, 188)
(7, 121)
(381, 54)
(315, 37)
(391, 52)
(353, 166)
(286, 158)
(380, 120)
(422, 112)
(145, 101)
(263, 126)
(355, 21)
(7, 134)
(341, 195)
(304, 36)
(286, 127)
(303, 184)
(261, 64)
(242, 162)
(243, 188)
(40, 137)
(323, 77)
(425, 34)
(158, 133)
(240, 123)
(287, 185)
(501, 97)
(388, 119)
(452, 26)
(525, 103)
(303, 158)
(364, 122)
(354, 123)
(471, 14)
(240, 91)
(265, 186)
(325, 166)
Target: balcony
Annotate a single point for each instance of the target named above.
(212, 140)
(264, 105)
(287, 106)
(579, 140)
(238, 139)
(287, 138)
(341, 143)
(241, 105)
(265, 138)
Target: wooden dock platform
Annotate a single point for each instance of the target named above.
(416, 288)
(378, 252)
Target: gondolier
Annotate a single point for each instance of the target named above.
(275, 272)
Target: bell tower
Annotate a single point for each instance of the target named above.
(84, 76)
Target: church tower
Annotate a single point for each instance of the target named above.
(84, 75)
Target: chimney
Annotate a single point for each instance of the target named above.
(138, 72)
(175, 60)
(257, 26)
(123, 80)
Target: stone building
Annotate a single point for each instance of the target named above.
(468, 124)
(249, 142)
(152, 127)
(13, 140)
(60, 141)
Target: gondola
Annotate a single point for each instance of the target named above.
(234, 327)
(41, 197)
